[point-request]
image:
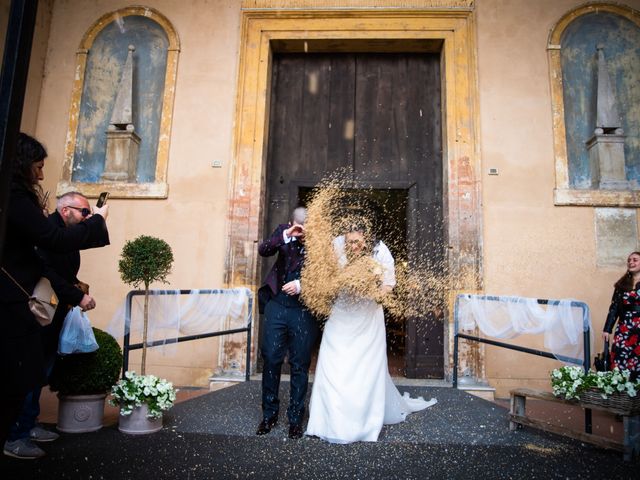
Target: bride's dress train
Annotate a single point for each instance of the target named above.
(353, 394)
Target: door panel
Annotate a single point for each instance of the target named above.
(377, 115)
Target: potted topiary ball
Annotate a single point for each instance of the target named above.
(145, 260)
(83, 382)
(142, 398)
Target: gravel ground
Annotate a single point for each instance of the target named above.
(212, 436)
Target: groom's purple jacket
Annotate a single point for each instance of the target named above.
(275, 278)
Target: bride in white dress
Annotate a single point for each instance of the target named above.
(353, 394)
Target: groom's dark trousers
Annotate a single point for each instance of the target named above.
(288, 328)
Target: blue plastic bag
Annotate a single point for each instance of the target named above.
(76, 335)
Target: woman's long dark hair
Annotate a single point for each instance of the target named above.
(28, 152)
(625, 282)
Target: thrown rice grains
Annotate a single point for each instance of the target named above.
(421, 286)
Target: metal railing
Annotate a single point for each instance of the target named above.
(585, 361)
(127, 347)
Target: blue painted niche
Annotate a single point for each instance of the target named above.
(103, 71)
(621, 40)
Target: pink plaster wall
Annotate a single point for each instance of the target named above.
(193, 219)
(531, 247)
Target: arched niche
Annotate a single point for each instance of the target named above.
(573, 72)
(99, 63)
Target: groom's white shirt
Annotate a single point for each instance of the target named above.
(288, 239)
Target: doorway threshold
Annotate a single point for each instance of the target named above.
(420, 382)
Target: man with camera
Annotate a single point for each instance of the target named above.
(62, 270)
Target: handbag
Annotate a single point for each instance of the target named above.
(601, 362)
(42, 302)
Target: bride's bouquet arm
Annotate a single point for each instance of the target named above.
(387, 273)
(383, 291)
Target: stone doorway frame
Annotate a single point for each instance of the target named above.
(452, 29)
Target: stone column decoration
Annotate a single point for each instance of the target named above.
(606, 146)
(122, 141)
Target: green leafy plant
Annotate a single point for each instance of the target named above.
(571, 382)
(89, 373)
(134, 390)
(143, 261)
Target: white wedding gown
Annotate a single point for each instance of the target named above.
(353, 394)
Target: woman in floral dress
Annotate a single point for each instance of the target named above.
(625, 308)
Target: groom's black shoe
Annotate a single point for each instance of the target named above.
(266, 425)
(295, 431)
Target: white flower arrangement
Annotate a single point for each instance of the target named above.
(570, 382)
(615, 381)
(567, 382)
(134, 390)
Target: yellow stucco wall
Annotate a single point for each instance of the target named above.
(531, 247)
(192, 219)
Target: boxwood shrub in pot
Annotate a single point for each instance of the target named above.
(83, 381)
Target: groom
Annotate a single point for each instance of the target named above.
(288, 326)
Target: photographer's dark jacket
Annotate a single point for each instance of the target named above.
(64, 279)
(21, 356)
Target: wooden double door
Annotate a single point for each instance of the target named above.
(377, 117)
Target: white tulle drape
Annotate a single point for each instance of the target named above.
(172, 314)
(561, 322)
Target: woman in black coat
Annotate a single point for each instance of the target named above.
(21, 356)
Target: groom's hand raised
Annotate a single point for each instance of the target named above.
(295, 230)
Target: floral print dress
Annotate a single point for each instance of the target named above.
(625, 350)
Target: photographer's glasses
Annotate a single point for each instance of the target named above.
(85, 212)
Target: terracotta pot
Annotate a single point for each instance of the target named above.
(137, 423)
(80, 413)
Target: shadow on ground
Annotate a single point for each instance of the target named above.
(212, 436)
